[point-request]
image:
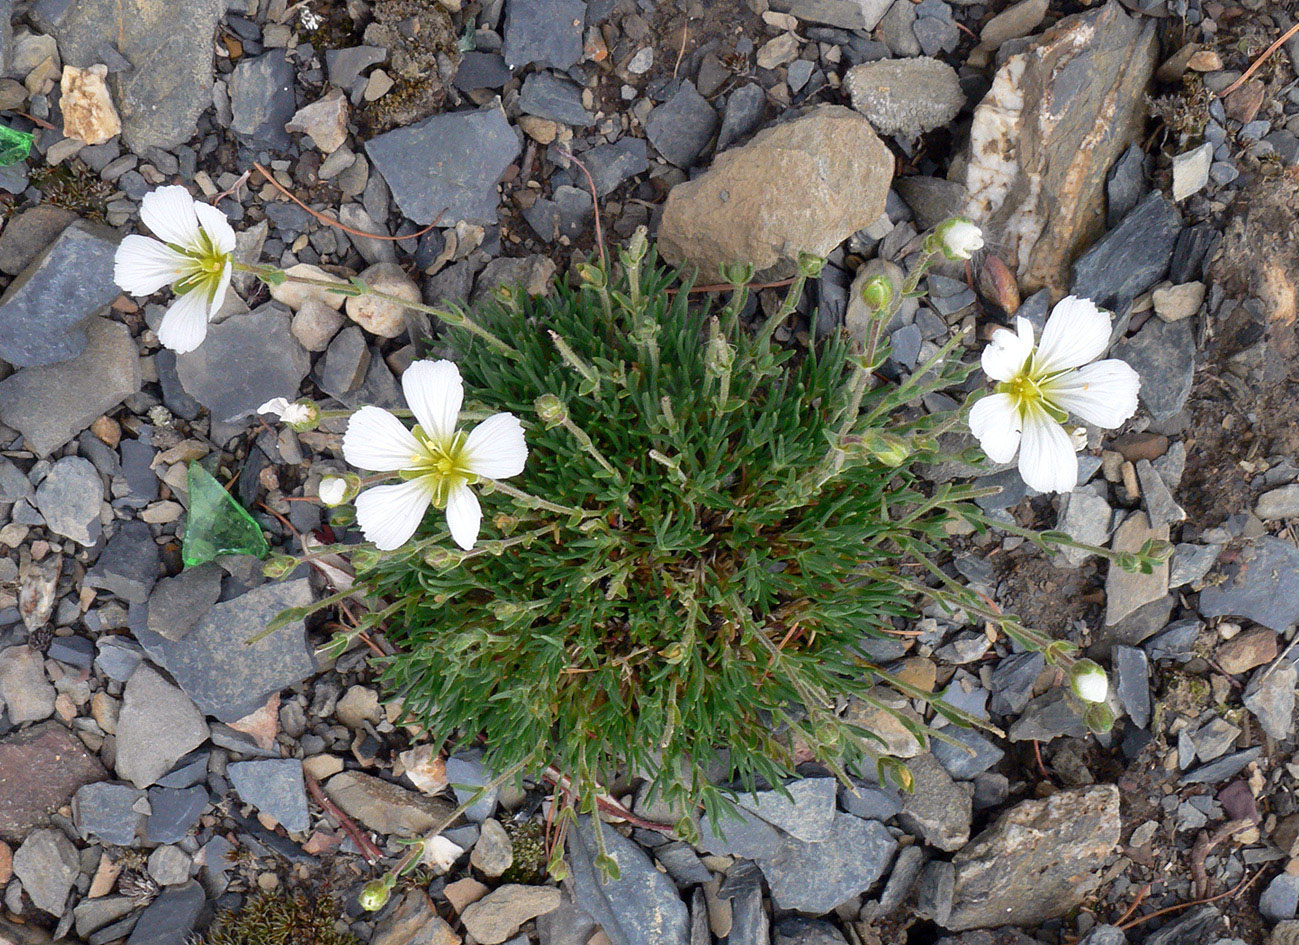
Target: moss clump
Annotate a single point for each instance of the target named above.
(529, 866)
(280, 919)
(420, 37)
(74, 187)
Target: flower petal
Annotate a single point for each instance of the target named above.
(144, 265)
(169, 213)
(389, 515)
(216, 226)
(1006, 353)
(1077, 332)
(496, 447)
(464, 516)
(223, 286)
(1103, 393)
(1047, 461)
(994, 421)
(377, 440)
(434, 393)
(184, 326)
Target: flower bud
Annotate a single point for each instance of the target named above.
(1088, 681)
(302, 415)
(332, 491)
(888, 448)
(719, 357)
(441, 558)
(638, 245)
(550, 410)
(592, 275)
(877, 292)
(959, 238)
(736, 274)
(1098, 717)
(374, 896)
(810, 265)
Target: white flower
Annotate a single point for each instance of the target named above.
(960, 238)
(437, 462)
(332, 491)
(1089, 682)
(290, 413)
(193, 256)
(1040, 386)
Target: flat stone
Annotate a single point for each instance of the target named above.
(466, 774)
(1051, 715)
(905, 97)
(380, 316)
(1176, 302)
(91, 915)
(500, 914)
(168, 86)
(640, 907)
(1262, 585)
(29, 234)
(547, 95)
(128, 566)
(1037, 177)
(448, 164)
(1038, 861)
(25, 692)
(1128, 591)
(178, 603)
(973, 756)
(275, 787)
(1161, 507)
(683, 864)
(158, 724)
(108, 811)
(1220, 769)
(1084, 517)
(1013, 681)
(173, 812)
(415, 922)
(481, 70)
(802, 186)
(870, 801)
(89, 115)
(1132, 683)
(938, 810)
(48, 865)
(261, 100)
(324, 121)
(1130, 258)
(807, 814)
(742, 115)
(1270, 696)
(346, 65)
(170, 919)
(681, 127)
(932, 199)
(41, 767)
(70, 498)
(845, 14)
(739, 833)
(816, 877)
(227, 676)
(1280, 900)
(1278, 503)
(244, 362)
(545, 32)
(169, 865)
(494, 851)
(344, 365)
(1163, 354)
(51, 404)
(1191, 171)
(384, 807)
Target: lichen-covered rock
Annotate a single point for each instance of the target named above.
(803, 186)
(905, 96)
(1044, 137)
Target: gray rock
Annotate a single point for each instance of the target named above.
(414, 922)
(448, 164)
(611, 164)
(547, 95)
(1280, 899)
(178, 603)
(91, 915)
(931, 199)
(906, 869)
(1219, 770)
(128, 566)
(227, 676)
(1084, 517)
(1127, 592)
(261, 100)
(1262, 585)
(481, 70)
(682, 864)
(905, 97)
(934, 891)
(742, 115)
(796, 931)
(1013, 681)
(1048, 716)
(938, 810)
(896, 30)
(494, 851)
(158, 724)
(385, 807)
(567, 215)
(1191, 170)
(48, 864)
(816, 877)
(466, 774)
(170, 83)
(244, 362)
(43, 310)
(345, 65)
(25, 692)
(845, 14)
(870, 801)
(275, 787)
(1161, 507)
(1132, 682)
(749, 924)
(1104, 935)
(739, 833)
(499, 915)
(1163, 354)
(1278, 503)
(169, 865)
(1270, 695)
(641, 907)
(72, 651)
(681, 127)
(1038, 861)
(808, 812)
(171, 917)
(108, 811)
(70, 498)
(547, 32)
(14, 485)
(173, 812)
(51, 404)
(1130, 258)
(1176, 641)
(963, 763)
(344, 365)
(1125, 185)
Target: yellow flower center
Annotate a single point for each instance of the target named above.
(204, 267)
(441, 464)
(1029, 389)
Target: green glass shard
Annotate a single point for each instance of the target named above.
(14, 146)
(217, 525)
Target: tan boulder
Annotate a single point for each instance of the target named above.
(88, 111)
